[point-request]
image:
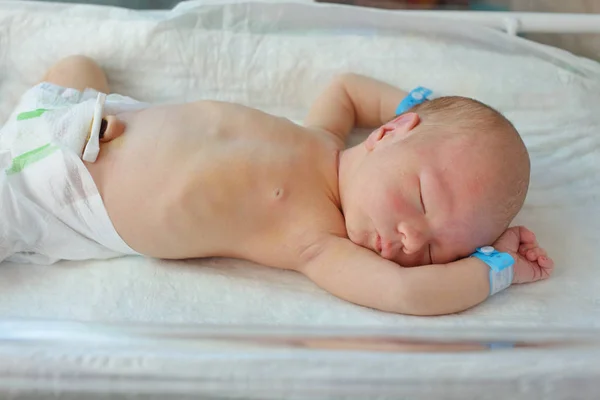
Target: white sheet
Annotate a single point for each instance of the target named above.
(258, 55)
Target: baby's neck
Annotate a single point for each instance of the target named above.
(348, 161)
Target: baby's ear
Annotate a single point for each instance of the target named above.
(111, 128)
(403, 124)
(398, 128)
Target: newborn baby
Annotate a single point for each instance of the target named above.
(213, 179)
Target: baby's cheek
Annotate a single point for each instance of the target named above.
(472, 190)
(394, 200)
(404, 209)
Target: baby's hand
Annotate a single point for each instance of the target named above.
(531, 261)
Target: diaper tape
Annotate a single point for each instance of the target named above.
(92, 148)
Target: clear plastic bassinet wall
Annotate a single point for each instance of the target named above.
(94, 361)
(529, 342)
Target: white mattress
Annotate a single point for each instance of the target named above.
(256, 54)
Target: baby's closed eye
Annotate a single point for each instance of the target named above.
(421, 198)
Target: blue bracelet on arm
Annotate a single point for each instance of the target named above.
(416, 96)
(501, 267)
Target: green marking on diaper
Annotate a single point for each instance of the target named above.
(19, 163)
(31, 114)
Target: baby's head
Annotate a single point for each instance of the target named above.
(434, 183)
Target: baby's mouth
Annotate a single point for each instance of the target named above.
(388, 249)
(377, 247)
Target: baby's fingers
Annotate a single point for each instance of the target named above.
(535, 254)
(524, 248)
(547, 265)
(527, 236)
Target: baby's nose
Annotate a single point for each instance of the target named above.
(413, 246)
(413, 240)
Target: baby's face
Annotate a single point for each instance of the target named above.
(418, 201)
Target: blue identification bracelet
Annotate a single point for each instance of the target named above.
(501, 267)
(416, 96)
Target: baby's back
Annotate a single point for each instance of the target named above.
(216, 179)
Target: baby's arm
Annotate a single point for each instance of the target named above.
(353, 100)
(360, 276)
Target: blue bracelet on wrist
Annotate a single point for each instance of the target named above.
(416, 96)
(501, 267)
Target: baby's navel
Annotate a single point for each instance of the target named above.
(278, 193)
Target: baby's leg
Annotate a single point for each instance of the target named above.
(78, 72)
(81, 72)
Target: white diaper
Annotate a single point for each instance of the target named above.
(50, 207)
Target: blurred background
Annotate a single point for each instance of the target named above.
(584, 45)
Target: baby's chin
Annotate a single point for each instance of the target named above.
(359, 240)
